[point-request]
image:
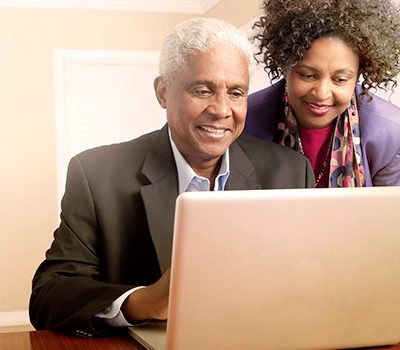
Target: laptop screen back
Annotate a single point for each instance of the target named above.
(285, 269)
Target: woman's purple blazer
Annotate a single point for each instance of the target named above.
(379, 128)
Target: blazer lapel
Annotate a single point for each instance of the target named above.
(160, 195)
(242, 174)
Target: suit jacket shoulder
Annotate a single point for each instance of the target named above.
(115, 156)
(275, 166)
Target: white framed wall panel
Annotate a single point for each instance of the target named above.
(14, 318)
(102, 97)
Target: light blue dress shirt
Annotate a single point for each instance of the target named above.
(189, 181)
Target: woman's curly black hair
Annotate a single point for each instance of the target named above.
(371, 27)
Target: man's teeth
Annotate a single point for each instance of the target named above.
(212, 130)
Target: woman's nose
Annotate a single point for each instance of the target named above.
(322, 89)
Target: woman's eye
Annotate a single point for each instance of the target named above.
(340, 80)
(307, 76)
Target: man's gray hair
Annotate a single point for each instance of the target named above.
(199, 35)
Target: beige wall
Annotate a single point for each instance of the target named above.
(28, 205)
(235, 12)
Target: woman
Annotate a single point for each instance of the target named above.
(321, 49)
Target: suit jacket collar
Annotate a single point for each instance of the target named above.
(160, 195)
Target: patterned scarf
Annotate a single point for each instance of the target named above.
(345, 167)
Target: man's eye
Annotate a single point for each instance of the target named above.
(202, 92)
(236, 93)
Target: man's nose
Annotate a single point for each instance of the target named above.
(220, 106)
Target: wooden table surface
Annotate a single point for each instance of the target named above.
(46, 340)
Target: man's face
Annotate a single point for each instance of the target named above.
(206, 104)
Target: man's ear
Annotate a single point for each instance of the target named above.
(160, 89)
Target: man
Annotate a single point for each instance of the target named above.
(109, 262)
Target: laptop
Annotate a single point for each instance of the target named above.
(283, 269)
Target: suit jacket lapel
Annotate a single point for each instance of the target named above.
(242, 174)
(159, 196)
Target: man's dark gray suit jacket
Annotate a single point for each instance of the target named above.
(117, 222)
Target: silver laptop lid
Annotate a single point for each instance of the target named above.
(285, 269)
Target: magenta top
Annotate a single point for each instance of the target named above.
(317, 148)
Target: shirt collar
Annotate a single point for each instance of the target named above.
(186, 175)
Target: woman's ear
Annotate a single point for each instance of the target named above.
(160, 89)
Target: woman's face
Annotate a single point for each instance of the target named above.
(320, 86)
